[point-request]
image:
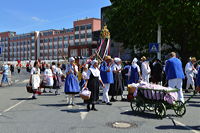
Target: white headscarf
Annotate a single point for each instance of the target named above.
(135, 60)
(71, 59)
(93, 62)
(117, 60)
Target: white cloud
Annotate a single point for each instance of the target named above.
(39, 19)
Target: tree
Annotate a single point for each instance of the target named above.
(135, 22)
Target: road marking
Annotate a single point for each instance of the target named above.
(83, 115)
(8, 109)
(175, 122)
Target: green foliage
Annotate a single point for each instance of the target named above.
(135, 22)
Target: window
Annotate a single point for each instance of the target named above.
(89, 26)
(89, 35)
(50, 46)
(82, 36)
(73, 52)
(50, 40)
(66, 38)
(83, 27)
(77, 28)
(77, 36)
(76, 43)
(84, 52)
(45, 40)
(55, 39)
(60, 38)
(55, 46)
(65, 45)
(71, 37)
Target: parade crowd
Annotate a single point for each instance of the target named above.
(110, 75)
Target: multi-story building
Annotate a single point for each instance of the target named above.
(52, 44)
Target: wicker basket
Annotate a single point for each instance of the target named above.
(85, 94)
(29, 88)
(131, 89)
(84, 97)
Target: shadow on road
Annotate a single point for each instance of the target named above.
(20, 99)
(177, 127)
(140, 114)
(74, 110)
(53, 105)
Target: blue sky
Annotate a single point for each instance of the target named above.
(24, 16)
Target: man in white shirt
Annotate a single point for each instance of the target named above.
(190, 72)
(146, 70)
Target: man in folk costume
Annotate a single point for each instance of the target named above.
(93, 79)
(190, 72)
(71, 81)
(107, 78)
(157, 71)
(118, 87)
(134, 72)
(146, 70)
(174, 74)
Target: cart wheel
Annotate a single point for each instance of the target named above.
(150, 107)
(179, 108)
(160, 110)
(137, 105)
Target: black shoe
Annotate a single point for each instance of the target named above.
(186, 91)
(88, 107)
(103, 102)
(50, 91)
(123, 99)
(109, 103)
(33, 97)
(94, 109)
(113, 100)
(44, 91)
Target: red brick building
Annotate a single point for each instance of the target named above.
(50, 44)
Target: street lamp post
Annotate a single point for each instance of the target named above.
(159, 42)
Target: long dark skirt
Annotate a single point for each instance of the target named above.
(93, 86)
(57, 82)
(117, 88)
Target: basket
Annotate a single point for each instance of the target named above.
(29, 88)
(85, 94)
(131, 89)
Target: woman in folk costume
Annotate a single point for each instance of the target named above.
(84, 75)
(134, 72)
(71, 81)
(107, 78)
(48, 78)
(35, 78)
(190, 72)
(146, 70)
(92, 83)
(118, 86)
(57, 79)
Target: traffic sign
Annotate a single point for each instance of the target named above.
(153, 47)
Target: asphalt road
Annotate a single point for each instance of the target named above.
(50, 114)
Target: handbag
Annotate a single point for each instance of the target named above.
(85, 94)
(29, 88)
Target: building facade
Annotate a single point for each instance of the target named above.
(52, 44)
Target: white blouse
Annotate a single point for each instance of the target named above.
(70, 67)
(117, 67)
(94, 71)
(35, 71)
(48, 72)
(59, 71)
